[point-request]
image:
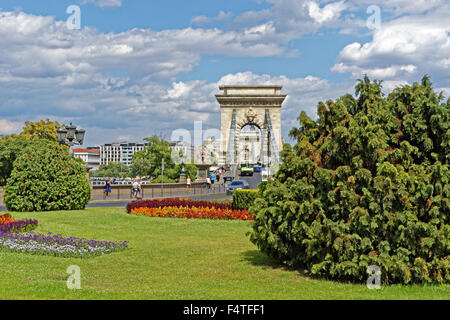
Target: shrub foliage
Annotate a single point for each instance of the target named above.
(45, 178)
(243, 198)
(365, 184)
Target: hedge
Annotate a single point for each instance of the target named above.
(243, 198)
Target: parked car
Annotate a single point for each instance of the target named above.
(98, 183)
(236, 185)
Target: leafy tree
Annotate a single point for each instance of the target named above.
(43, 129)
(113, 169)
(12, 146)
(159, 150)
(191, 170)
(141, 164)
(367, 183)
(45, 178)
(166, 180)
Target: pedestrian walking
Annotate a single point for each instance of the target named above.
(213, 179)
(188, 184)
(208, 183)
(136, 190)
(107, 190)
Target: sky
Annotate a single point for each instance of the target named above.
(128, 69)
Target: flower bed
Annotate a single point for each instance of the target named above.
(194, 213)
(177, 202)
(19, 226)
(8, 224)
(6, 219)
(57, 245)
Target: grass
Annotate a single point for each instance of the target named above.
(171, 259)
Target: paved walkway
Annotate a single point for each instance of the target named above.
(123, 203)
(206, 195)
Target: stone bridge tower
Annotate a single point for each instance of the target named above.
(258, 106)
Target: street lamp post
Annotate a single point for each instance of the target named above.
(183, 174)
(70, 135)
(162, 177)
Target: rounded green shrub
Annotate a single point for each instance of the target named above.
(243, 198)
(367, 183)
(46, 177)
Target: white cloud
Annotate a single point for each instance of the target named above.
(406, 47)
(205, 20)
(327, 13)
(42, 47)
(292, 19)
(9, 127)
(201, 20)
(124, 84)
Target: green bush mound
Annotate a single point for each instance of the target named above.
(243, 198)
(44, 178)
(365, 184)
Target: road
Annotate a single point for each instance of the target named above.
(253, 182)
(123, 204)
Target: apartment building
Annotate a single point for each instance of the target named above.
(120, 152)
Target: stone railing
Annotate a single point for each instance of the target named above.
(123, 192)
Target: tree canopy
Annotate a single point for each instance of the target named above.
(112, 169)
(11, 146)
(43, 129)
(148, 162)
(367, 183)
(45, 178)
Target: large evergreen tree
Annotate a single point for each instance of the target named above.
(365, 184)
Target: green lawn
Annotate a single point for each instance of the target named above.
(171, 259)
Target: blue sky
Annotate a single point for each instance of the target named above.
(139, 67)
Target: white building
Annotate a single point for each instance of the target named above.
(90, 156)
(120, 152)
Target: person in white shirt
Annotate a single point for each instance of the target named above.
(188, 184)
(137, 189)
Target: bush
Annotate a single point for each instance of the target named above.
(45, 178)
(243, 199)
(366, 184)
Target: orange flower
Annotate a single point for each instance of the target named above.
(194, 212)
